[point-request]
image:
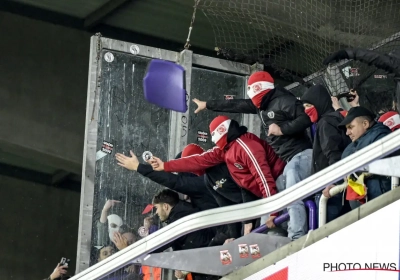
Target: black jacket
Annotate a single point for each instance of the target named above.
(185, 183)
(194, 240)
(389, 63)
(329, 140)
(226, 192)
(221, 185)
(278, 106)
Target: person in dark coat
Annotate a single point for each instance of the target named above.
(329, 141)
(363, 130)
(169, 209)
(225, 191)
(388, 62)
(185, 183)
(285, 124)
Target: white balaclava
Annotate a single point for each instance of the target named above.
(114, 223)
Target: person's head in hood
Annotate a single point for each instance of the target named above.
(258, 85)
(219, 131)
(317, 101)
(391, 119)
(224, 130)
(191, 150)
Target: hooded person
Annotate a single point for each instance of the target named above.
(329, 140)
(285, 124)
(251, 162)
(391, 119)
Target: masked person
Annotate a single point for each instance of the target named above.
(285, 124)
(251, 162)
(225, 191)
(391, 119)
(329, 140)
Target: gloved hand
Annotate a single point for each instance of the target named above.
(339, 55)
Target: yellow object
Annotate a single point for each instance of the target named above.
(357, 186)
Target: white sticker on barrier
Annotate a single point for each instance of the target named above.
(109, 57)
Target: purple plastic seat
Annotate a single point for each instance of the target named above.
(164, 85)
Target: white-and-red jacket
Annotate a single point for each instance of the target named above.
(252, 163)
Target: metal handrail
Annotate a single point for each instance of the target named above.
(245, 211)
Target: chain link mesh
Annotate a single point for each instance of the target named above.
(294, 36)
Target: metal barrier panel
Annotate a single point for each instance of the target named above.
(244, 211)
(217, 85)
(119, 119)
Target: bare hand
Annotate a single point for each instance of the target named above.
(335, 103)
(157, 164)
(148, 222)
(58, 271)
(130, 163)
(326, 193)
(130, 269)
(355, 102)
(120, 241)
(110, 203)
(247, 228)
(270, 222)
(201, 105)
(229, 240)
(274, 129)
(179, 274)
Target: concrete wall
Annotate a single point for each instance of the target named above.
(43, 87)
(39, 225)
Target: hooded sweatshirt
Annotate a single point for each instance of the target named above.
(329, 140)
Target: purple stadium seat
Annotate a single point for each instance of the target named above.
(164, 85)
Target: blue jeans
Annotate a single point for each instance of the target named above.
(296, 170)
(280, 230)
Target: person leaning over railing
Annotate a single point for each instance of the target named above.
(285, 124)
(363, 130)
(169, 209)
(252, 163)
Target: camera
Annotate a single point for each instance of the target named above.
(64, 261)
(349, 97)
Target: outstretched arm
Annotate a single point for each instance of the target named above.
(228, 106)
(381, 61)
(193, 163)
(179, 183)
